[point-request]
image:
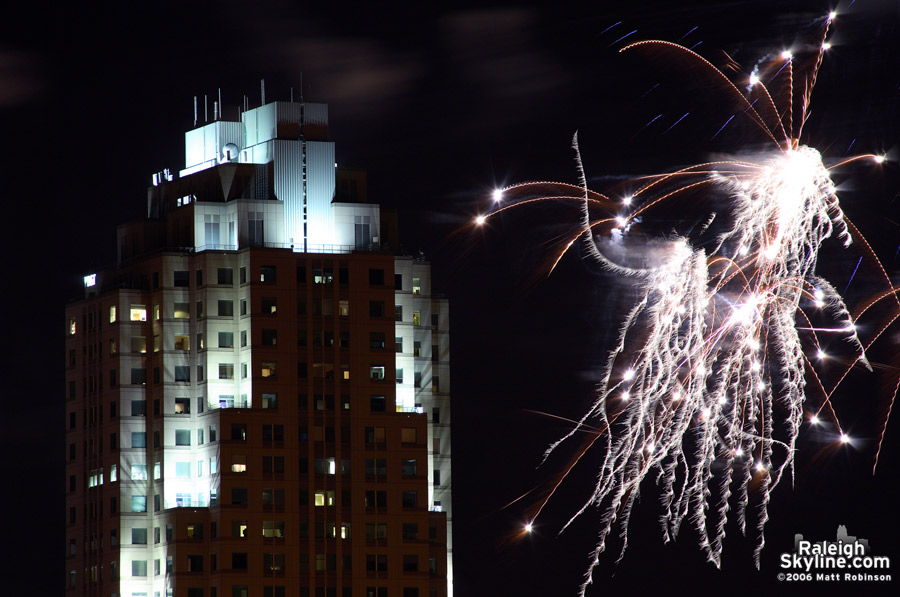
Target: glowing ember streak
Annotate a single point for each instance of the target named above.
(707, 382)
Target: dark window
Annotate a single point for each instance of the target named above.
(239, 561)
(398, 281)
(239, 495)
(182, 373)
(377, 404)
(409, 499)
(225, 275)
(269, 337)
(376, 340)
(376, 277)
(239, 431)
(226, 308)
(182, 279)
(376, 308)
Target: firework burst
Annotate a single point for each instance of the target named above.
(707, 385)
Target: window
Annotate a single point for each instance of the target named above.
(376, 467)
(324, 498)
(344, 308)
(139, 536)
(225, 308)
(417, 379)
(437, 477)
(376, 308)
(374, 435)
(273, 498)
(112, 314)
(182, 437)
(182, 311)
(417, 318)
(267, 273)
(137, 313)
(417, 348)
(273, 529)
(376, 340)
(417, 286)
(138, 375)
(238, 560)
(239, 496)
(399, 375)
(195, 564)
(225, 275)
(182, 342)
(270, 400)
(239, 431)
(138, 472)
(376, 277)
(409, 499)
(269, 304)
(139, 503)
(376, 372)
(376, 499)
(398, 313)
(410, 564)
(138, 439)
(183, 373)
(269, 337)
(376, 531)
(182, 406)
(181, 278)
(183, 469)
(269, 369)
(226, 339)
(435, 384)
(408, 467)
(212, 433)
(273, 464)
(139, 344)
(138, 408)
(410, 531)
(226, 371)
(243, 338)
(323, 275)
(408, 435)
(138, 567)
(195, 531)
(377, 404)
(273, 563)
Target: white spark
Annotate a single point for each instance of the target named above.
(480, 220)
(498, 195)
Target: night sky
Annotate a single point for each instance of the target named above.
(440, 106)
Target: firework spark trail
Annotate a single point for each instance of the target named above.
(707, 383)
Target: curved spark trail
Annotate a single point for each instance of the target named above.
(707, 384)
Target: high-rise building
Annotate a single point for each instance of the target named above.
(257, 400)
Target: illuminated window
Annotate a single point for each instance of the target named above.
(269, 369)
(139, 503)
(344, 308)
(322, 275)
(226, 371)
(345, 372)
(417, 317)
(269, 304)
(137, 313)
(238, 464)
(155, 312)
(138, 567)
(113, 346)
(324, 498)
(408, 435)
(114, 472)
(376, 372)
(182, 311)
(182, 342)
(138, 472)
(157, 470)
(267, 273)
(200, 343)
(417, 286)
(112, 314)
(273, 529)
